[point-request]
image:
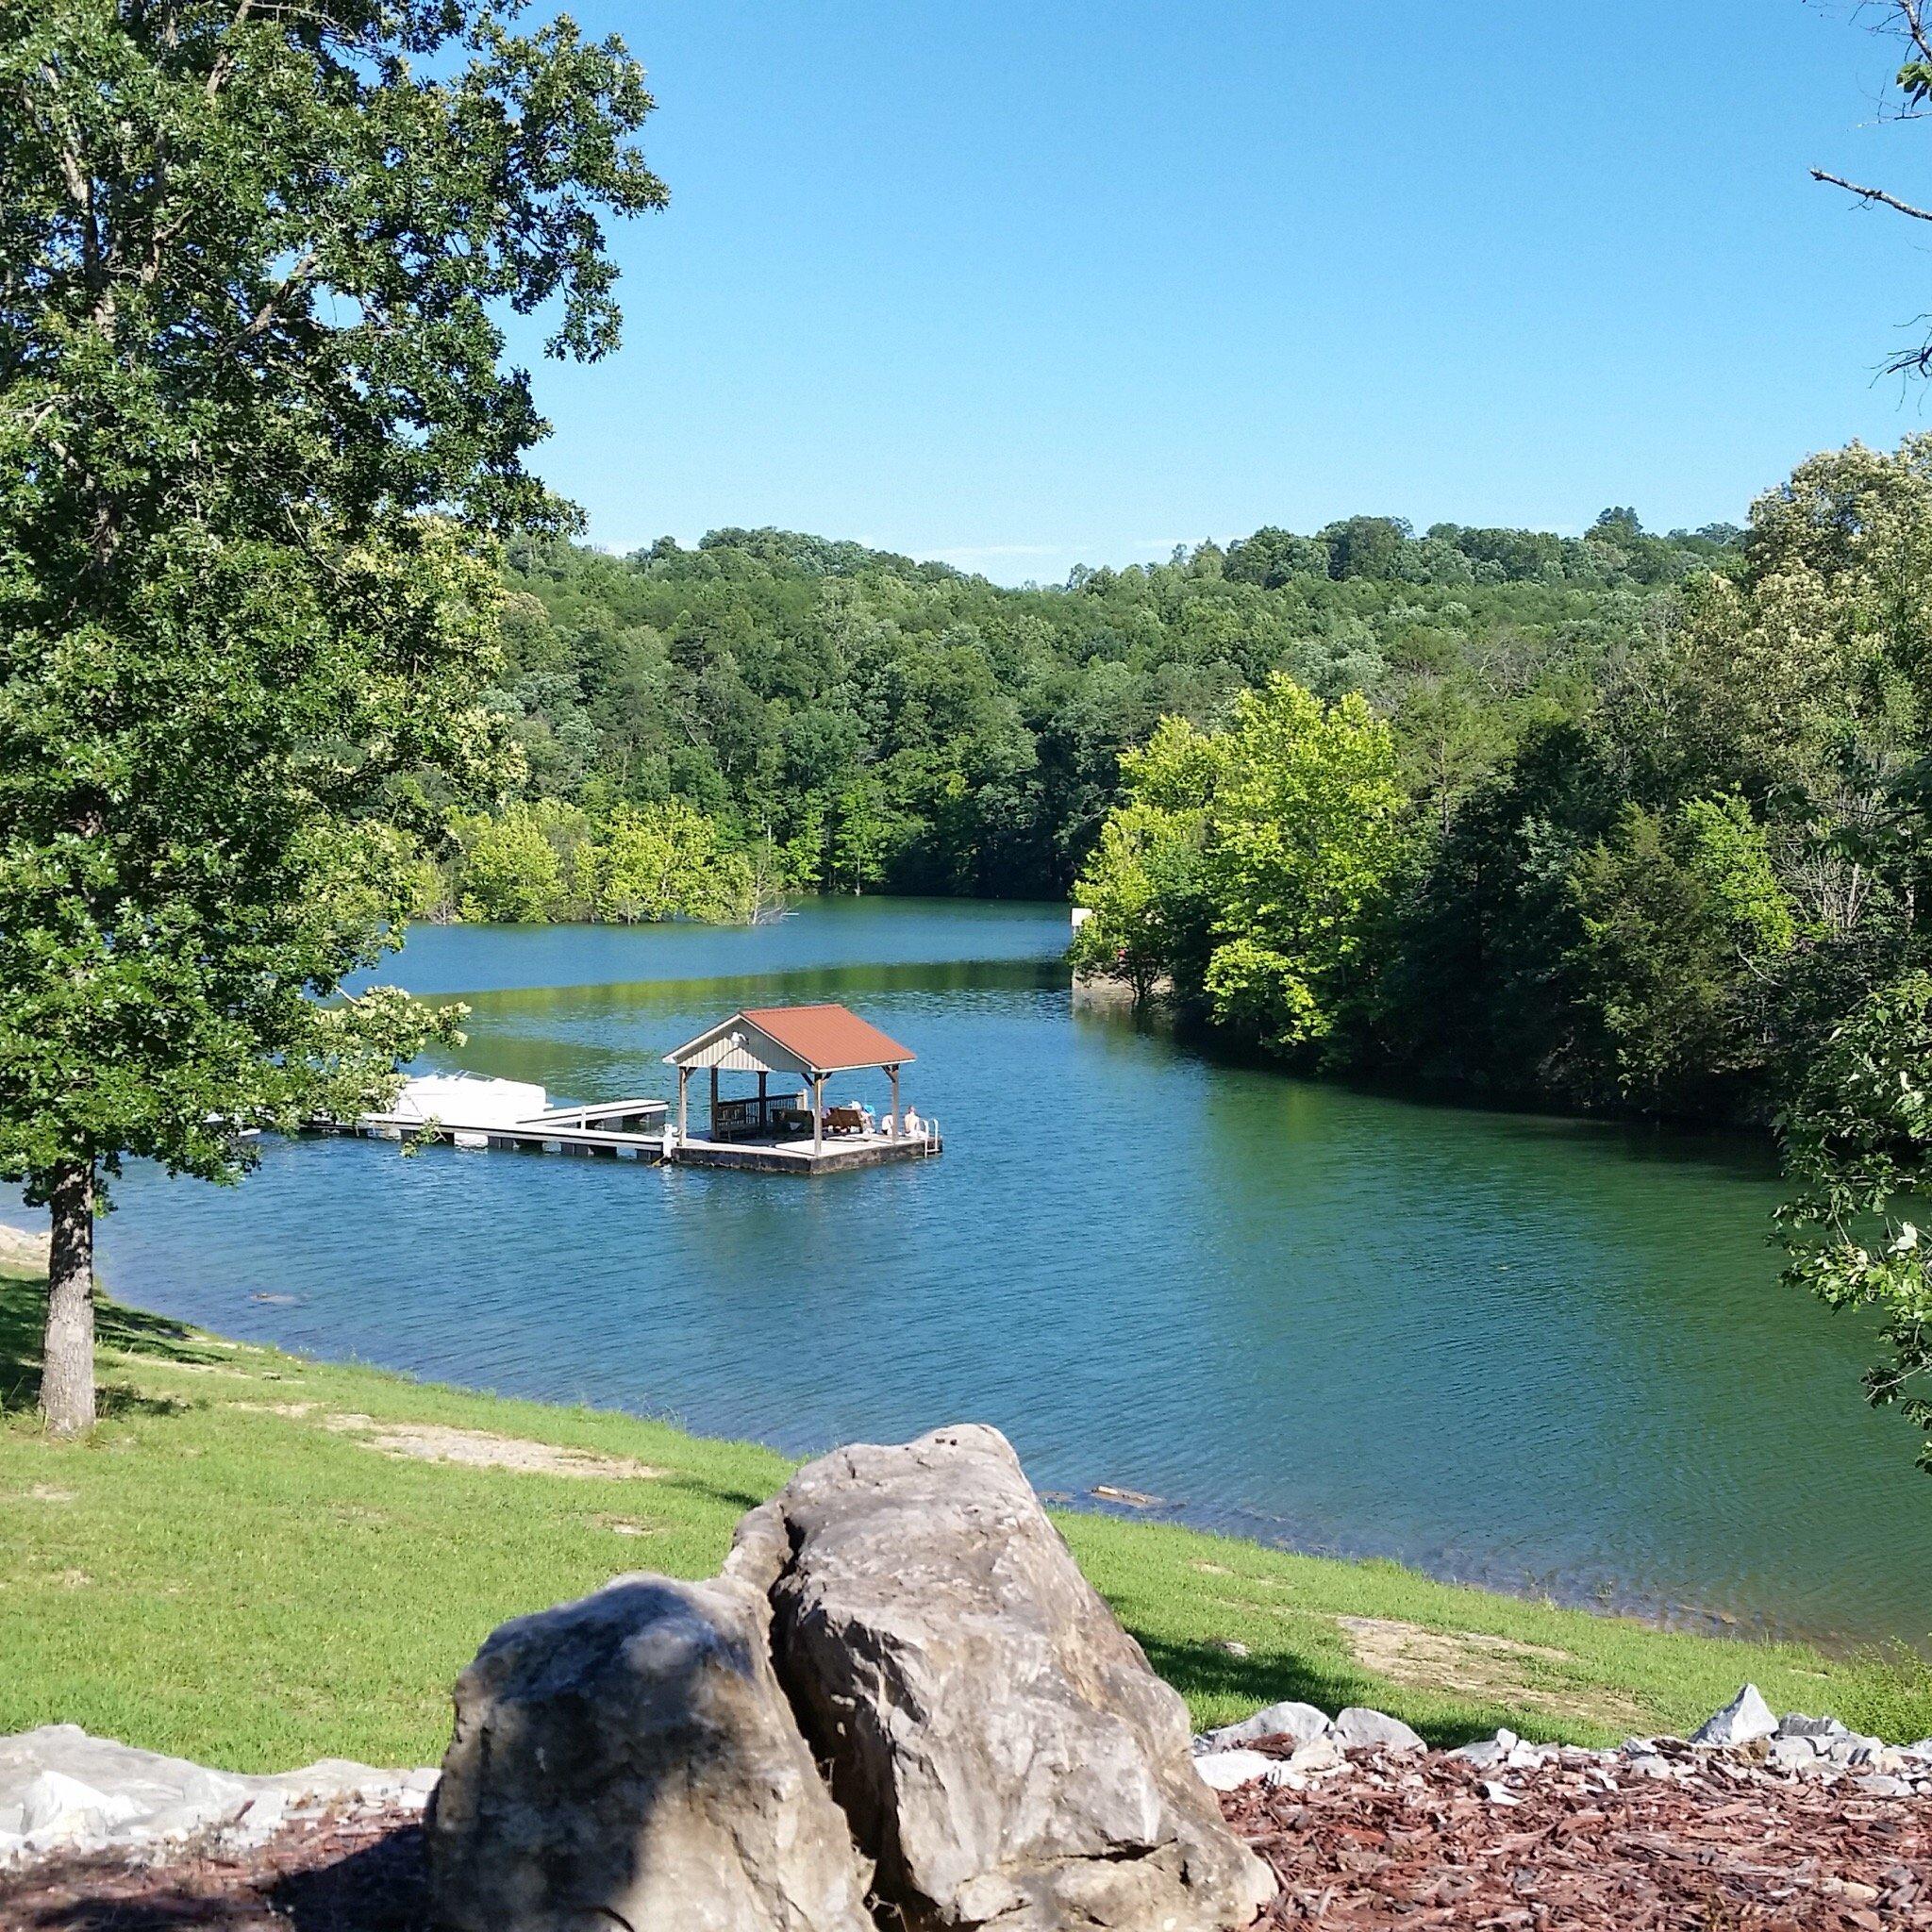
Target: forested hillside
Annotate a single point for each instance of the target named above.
(1651, 855)
(852, 720)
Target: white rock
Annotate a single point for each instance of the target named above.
(62, 1807)
(1881, 1785)
(1793, 1753)
(92, 1792)
(1227, 1771)
(1795, 1724)
(1317, 1755)
(1744, 1719)
(1357, 1728)
(1919, 1753)
(1487, 1753)
(1300, 1722)
(1853, 1748)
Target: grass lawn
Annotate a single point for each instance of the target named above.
(259, 1560)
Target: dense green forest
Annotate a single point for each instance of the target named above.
(1655, 866)
(850, 720)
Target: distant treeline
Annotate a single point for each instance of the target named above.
(1658, 857)
(850, 720)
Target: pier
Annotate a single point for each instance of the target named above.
(766, 1132)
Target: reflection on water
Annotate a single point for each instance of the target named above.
(1543, 1353)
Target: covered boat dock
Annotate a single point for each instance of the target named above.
(786, 1127)
(789, 1125)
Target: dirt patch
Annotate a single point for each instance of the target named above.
(623, 1525)
(479, 1449)
(1480, 1665)
(22, 1247)
(46, 1492)
(134, 1359)
(291, 1408)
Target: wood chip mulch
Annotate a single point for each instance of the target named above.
(1413, 1843)
(1727, 1849)
(362, 1873)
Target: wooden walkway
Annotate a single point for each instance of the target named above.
(574, 1130)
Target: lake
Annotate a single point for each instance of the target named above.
(1541, 1353)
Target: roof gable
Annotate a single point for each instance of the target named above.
(810, 1041)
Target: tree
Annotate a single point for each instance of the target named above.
(1305, 836)
(666, 861)
(257, 444)
(1857, 1143)
(1138, 889)
(1682, 921)
(1908, 23)
(508, 868)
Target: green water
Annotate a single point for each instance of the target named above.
(1536, 1353)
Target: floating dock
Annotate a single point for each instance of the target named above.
(768, 1133)
(569, 1134)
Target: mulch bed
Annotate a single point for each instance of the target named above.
(1727, 1849)
(362, 1873)
(1412, 1843)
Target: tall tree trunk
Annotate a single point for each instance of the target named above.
(67, 1358)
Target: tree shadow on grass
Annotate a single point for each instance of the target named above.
(1199, 1669)
(131, 1331)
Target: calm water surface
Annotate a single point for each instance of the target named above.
(1530, 1352)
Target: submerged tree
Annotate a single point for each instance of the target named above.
(257, 444)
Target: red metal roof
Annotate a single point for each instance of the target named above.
(829, 1038)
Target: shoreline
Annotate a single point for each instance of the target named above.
(1115, 1501)
(371, 1530)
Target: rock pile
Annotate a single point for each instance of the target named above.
(65, 1791)
(900, 1703)
(1289, 1746)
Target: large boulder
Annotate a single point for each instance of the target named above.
(631, 1760)
(998, 1741)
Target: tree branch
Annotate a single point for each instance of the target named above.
(1873, 194)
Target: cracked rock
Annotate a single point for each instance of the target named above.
(999, 1742)
(631, 1760)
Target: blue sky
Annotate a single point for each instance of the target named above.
(1026, 285)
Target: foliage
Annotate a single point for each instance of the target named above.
(548, 859)
(1858, 1141)
(1681, 923)
(256, 447)
(1303, 835)
(887, 724)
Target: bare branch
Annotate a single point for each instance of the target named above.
(1873, 194)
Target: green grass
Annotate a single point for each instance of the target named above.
(204, 1576)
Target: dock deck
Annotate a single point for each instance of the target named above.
(572, 1130)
